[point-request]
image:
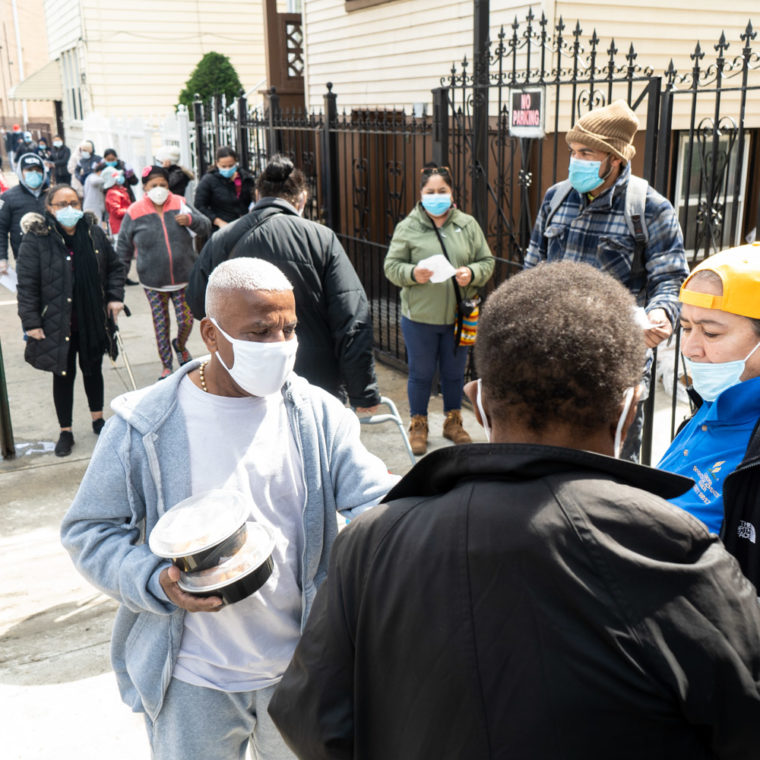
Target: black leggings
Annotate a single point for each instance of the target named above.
(63, 385)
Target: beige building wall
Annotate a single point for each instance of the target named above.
(136, 56)
(393, 54)
(31, 23)
(664, 31)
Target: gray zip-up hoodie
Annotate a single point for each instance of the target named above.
(139, 470)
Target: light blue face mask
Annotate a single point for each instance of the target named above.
(436, 203)
(584, 175)
(68, 216)
(33, 179)
(710, 379)
(228, 173)
(111, 163)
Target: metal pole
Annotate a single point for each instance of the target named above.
(481, 12)
(7, 447)
(441, 126)
(330, 180)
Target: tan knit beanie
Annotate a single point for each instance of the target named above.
(609, 129)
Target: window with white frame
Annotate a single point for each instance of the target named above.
(72, 83)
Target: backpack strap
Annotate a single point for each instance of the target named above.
(564, 189)
(635, 219)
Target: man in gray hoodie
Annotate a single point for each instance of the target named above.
(202, 673)
(28, 195)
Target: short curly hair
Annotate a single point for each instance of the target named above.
(559, 344)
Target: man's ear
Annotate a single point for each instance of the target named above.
(208, 333)
(638, 390)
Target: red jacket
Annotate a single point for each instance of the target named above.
(117, 203)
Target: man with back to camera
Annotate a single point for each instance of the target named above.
(534, 597)
(605, 216)
(28, 195)
(239, 420)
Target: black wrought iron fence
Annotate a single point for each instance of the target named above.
(697, 146)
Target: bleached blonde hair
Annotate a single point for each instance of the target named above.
(242, 273)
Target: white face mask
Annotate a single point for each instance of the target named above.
(158, 194)
(623, 416)
(482, 411)
(259, 368)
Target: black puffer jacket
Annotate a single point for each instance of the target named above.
(334, 326)
(45, 288)
(215, 196)
(13, 205)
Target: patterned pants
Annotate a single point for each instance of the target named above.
(159, 307)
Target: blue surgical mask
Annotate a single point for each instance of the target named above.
(68, 216)
(436, 204)
(710, 379)
(111, 163)
(33, 179)
(228, 172)
(584, 175)
(57, 144)
(85, 154)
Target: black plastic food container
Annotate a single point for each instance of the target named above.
(238, 576)
(202, 531)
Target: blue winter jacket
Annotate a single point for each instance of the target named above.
(139, 470)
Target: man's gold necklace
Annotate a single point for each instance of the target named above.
(202, 372)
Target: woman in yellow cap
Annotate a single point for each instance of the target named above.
(720, 446)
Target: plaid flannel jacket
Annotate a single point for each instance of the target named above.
(596, 233)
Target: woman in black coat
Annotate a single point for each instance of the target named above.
(334, 323)
(226, 192)
(69, 282)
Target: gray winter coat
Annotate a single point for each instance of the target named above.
(134, 477)
(165, 250)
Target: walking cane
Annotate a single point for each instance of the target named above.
(118, 344)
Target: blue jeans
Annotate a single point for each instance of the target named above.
(428, 346)
(196, 722)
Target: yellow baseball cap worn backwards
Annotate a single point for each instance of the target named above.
(739, 271)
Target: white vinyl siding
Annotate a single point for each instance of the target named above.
(63, 24)
(394, 54)
(391, 54)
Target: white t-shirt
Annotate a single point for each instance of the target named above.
(246, 444)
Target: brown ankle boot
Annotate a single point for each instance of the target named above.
(452, 428)
(418, 433)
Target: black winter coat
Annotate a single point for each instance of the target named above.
(334, 325)
(14, 203)
(741, 505)
(528, 602)
(60, 157)
(45, 289)
(215, 196)
(179, 178)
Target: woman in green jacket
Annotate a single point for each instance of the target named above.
(428, 308)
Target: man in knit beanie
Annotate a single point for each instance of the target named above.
(604, 216)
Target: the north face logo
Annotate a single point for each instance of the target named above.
(746, 530)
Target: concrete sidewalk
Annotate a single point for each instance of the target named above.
(58, 696)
